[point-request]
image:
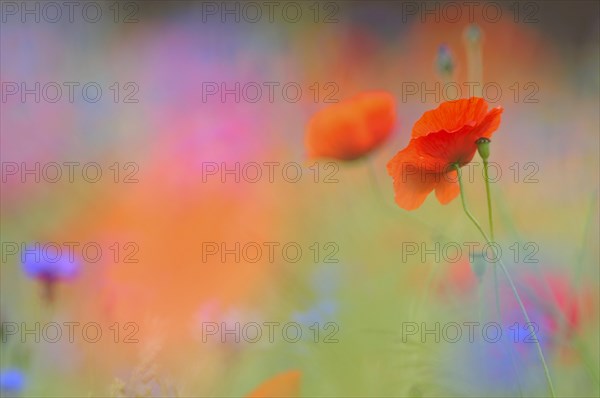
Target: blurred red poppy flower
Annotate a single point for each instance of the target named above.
(459, 278)
(557, 298)
(352, 128)
(284, 385)
(440, 139)
(559, 309)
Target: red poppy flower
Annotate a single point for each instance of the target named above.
(284, 385)
(560, 309)
(351, 128)
(557, 299)
(459, 278)
(440, 138)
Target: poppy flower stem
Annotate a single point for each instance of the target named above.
(510, 282)
(529, 323)
(489, 198)
(484, 156)
(464, 203)
(483, 147)
(48, 290)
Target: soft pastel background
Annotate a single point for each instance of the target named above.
(371, 291)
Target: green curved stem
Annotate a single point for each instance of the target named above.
(491, 221)
(464, 203)
(529, 323)
(489, 198)
(510, 282)
(495, 271)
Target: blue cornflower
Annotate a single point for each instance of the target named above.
(322, 312)
(325, 282)
(12, 380)
(39, 263)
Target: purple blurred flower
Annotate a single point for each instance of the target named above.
(38, 263)
(325, 282)
(321, 313)
(48, 268)
(501, 360)
(12, 380)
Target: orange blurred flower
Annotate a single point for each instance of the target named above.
(440, 138)
(283, 385)
(352, 128)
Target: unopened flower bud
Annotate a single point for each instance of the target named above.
(483, 147)
(444, 61)
(472, 34)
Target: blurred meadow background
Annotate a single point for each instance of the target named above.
(164, 204)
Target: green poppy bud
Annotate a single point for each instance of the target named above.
(445, 61)
(483, 147)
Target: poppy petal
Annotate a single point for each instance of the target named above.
(447, 189)
(412, 184)
(379, 109)
(440, 149)
(350, 129)
(335, 132)
(489, 124)
(451, 116)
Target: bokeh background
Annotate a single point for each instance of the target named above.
(164, 128)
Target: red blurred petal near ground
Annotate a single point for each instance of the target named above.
(283, 385)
